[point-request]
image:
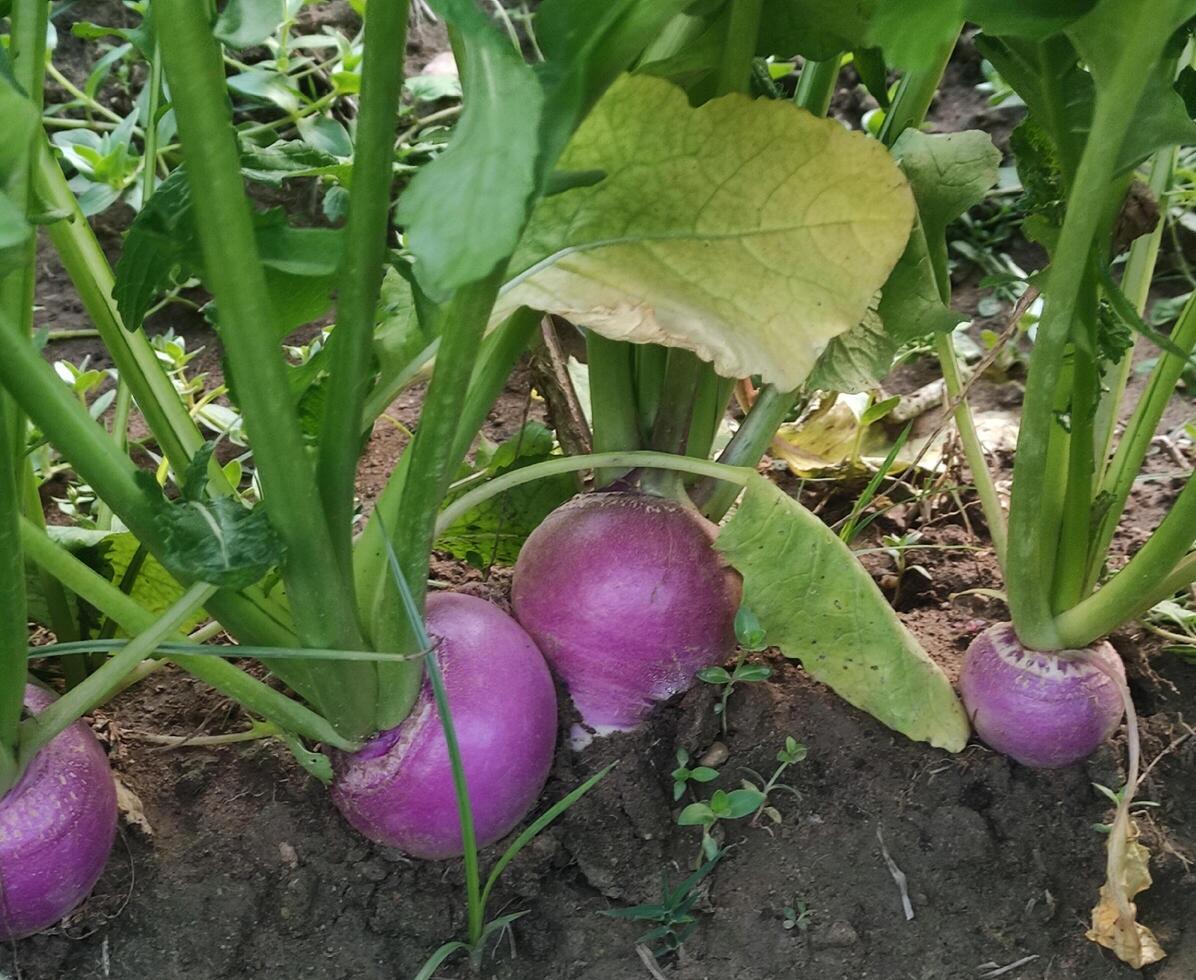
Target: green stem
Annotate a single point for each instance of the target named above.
(321, 600)
(500, 350)
(150, 157)
(122, 609)
(743, 29)
(430, 469)
(710, 408)
(736, 475)
(409, 606)
(649, 361)
(1150, 576)
(714, 496)
(40, 730)
(986, 488)
(816, 85)
(1033, 539)
(131, 352)
(1135, 284)
(670, 434)
(613, 416)
(361, 272)
(916, 91)
(13, 624)
(1136, 440)
(1075, 527)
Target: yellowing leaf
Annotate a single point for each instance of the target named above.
(818, 604)
(749, 232)
(1114, 920)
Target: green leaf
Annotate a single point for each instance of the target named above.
(704, 774)
(749, 634)
(753, 672)
(219, 541)
(741, 802)
(876, 412)
(815, 29)
(244, 23)
(1029, 18)
(494, 531)
(195, 479)
(162, 247)
(587, 46)
(859, 359)
(749, 232)
(156, 248)
(261, 85)
(948, 174)
(400, 334)
(913, 33)
(819, 605)
(288, 158)
(111, 553)
(463, 212)
(714, 675)
(695, 815)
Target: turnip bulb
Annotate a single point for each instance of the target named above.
(57, 825)
(1044, 710)
(628, 600)
(398, 789)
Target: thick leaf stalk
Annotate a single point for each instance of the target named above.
(321, 599)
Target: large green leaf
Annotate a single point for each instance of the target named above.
(949, 174)
(464, 211)
(818, 604)
(749, 232)
(856, 360)
(914, 34)
(587, 45)
(817, 29)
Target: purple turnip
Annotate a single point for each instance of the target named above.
(1043, 709)
(57, 825)
(627, 600)
(398, 789)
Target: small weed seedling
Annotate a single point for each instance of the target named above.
(797, 916)
(793, 751)
(673, 915)
(683, 775)
(897, 548)
(750, 636)
(734, 805)
(1116, 797)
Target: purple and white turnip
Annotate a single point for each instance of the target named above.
(398, 789)
(57, 825)
(1045, 710)
(627, 599)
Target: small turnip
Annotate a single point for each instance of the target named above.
(57, 825)
(398, 789)
(627, 600)
(1042, 709)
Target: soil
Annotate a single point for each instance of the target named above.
(242, 867)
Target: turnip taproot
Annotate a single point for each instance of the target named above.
(1046, 710)
(398, 789)
(627, 600)
(57, 825)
